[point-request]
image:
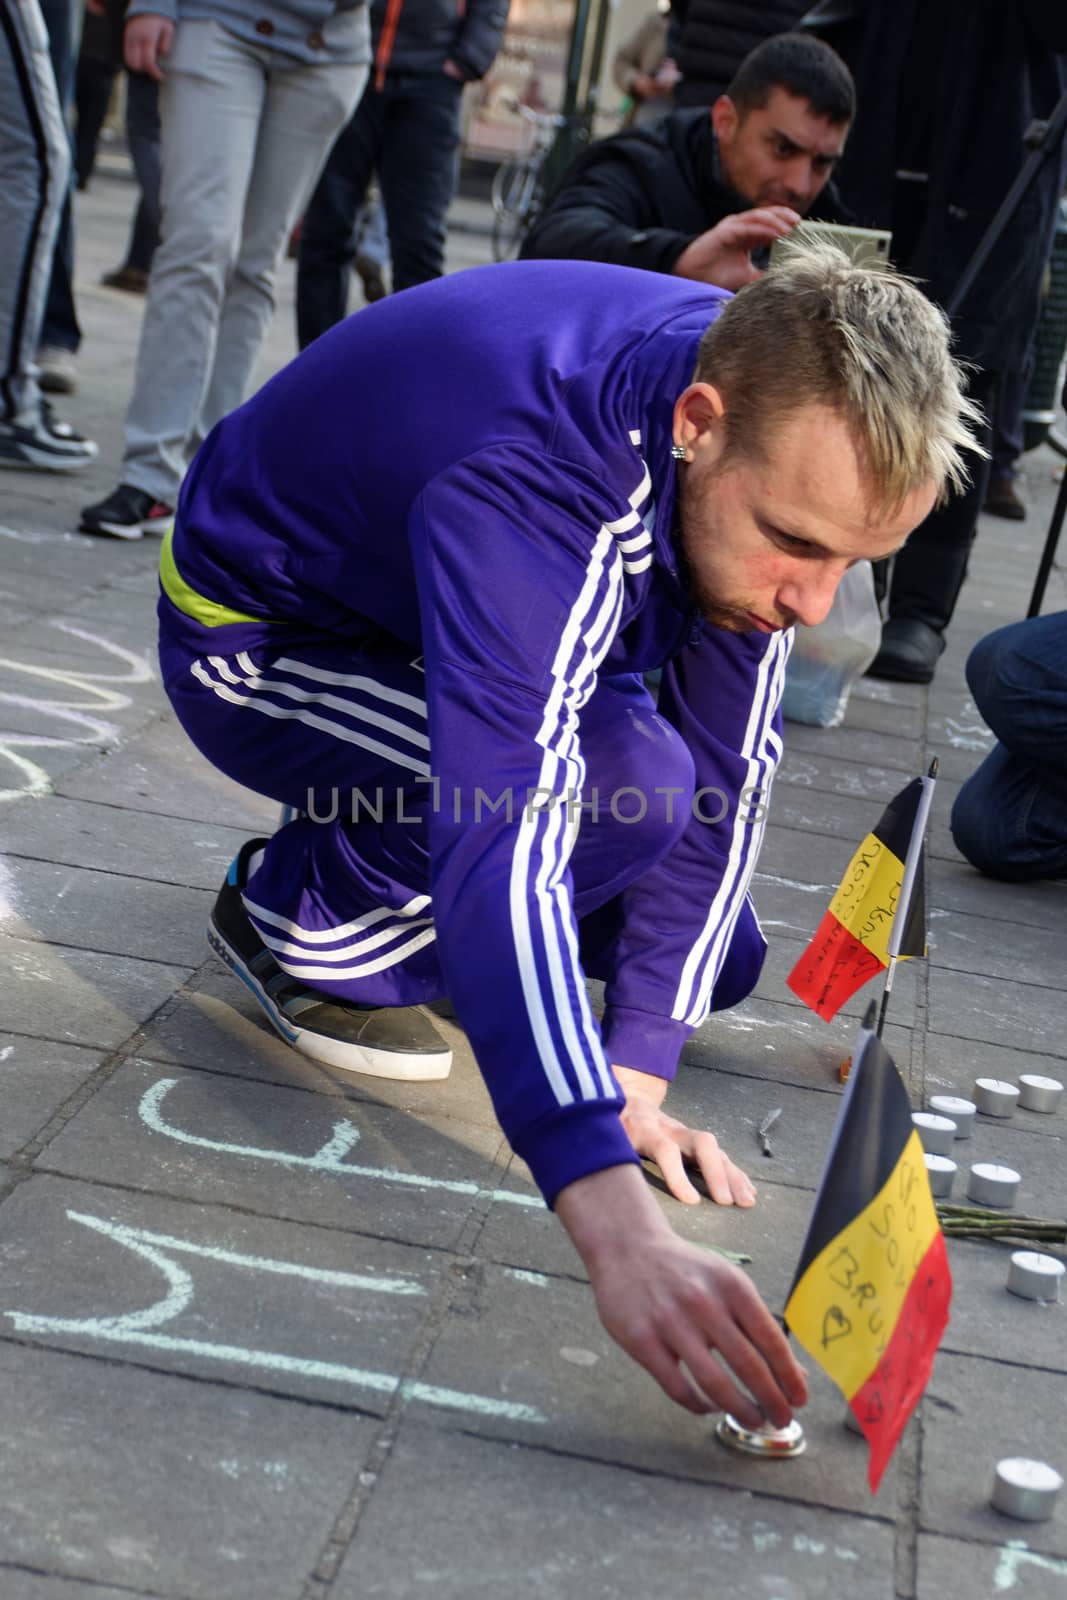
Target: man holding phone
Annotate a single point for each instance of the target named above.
(698, 192)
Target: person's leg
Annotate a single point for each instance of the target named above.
(34, 174)
(210, 109)
(304, 110)
(60, 332)
(92, 95)
(1001, 497)
(928, 573)
(418, 173)
(1010, 817)
(326, 237)
(143, 136)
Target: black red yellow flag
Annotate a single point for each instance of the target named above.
(852, 942)
(870, 1299)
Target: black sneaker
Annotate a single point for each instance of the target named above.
(127, 513)
(44, 445)
(383, 1042)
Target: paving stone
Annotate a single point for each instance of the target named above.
(282, 1153)
(766, 1039)
(955, 886)
(192, 1288)
(988, 1321)
(950, 1568)
(576, 1531)
(36, 1076)
(106, 911)
(219, 1027)
(138, 1479)
(901, 754)
(82, 833)
(164, 773)
(80, 996)
(16, 1585)
(549, 1352)
(977, 947)
(953, 1064)
(1023, 1016)
(978, 1412)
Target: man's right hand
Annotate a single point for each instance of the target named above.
(722, 256)
(147, 37)
(684, 1314)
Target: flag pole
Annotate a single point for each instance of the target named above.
(907, 887)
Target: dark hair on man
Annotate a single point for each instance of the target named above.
(802, 65)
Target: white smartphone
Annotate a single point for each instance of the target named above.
(865, 247)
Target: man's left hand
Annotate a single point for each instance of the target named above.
(669, 1143)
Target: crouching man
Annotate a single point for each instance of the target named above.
(426, 567)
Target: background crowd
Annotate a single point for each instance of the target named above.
(333, 127)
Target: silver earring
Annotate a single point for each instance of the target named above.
(679, 452)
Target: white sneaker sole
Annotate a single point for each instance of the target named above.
(31, 459)
(338, 1053)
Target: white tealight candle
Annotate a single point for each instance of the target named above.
(1039, 1094)
(941, 1173)
(1026, 1489)
(938, 1134)
(961, 1112)
(1033, 1276)
(993, 1185)
(994, 1097)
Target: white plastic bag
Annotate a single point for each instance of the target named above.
(827, 659)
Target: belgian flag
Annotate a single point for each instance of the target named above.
(871, 1294)
(853, 941)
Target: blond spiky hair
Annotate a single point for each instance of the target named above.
(862, 340)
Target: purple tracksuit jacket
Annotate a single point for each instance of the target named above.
(482, 468)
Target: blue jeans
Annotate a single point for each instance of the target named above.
(408, 134)
(1010, 817)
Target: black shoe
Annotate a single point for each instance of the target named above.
(45, 445)
(909, 652)
(370, 276)
(1002, 501)
(127, 513)
(383, 1042)
(132, 280)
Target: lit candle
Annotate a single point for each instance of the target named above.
(961, 1111)
(1033, 1276)
(993, 1185)
(1026, 1489)
(942, 1173)
(1039, 1094)
(994, 1097)
(938, 1134)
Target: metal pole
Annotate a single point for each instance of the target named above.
(1048, 555)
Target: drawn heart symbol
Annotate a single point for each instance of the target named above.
(835, 1325)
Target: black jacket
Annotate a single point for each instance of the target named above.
(419, 36)
(709, 39)
(972, 74)
(639, 198)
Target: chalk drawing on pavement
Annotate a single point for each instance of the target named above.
(331, 1157)
(73, 697)
(141, 1327)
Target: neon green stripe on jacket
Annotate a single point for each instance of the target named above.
(185, 597)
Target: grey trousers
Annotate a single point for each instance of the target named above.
(34, 177)
(245, 132)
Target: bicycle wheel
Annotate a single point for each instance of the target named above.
(515, 205)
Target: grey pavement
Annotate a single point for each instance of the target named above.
(271, 1332)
